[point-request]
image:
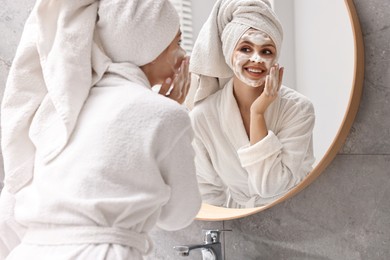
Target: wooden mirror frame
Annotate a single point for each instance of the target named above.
(214, 213)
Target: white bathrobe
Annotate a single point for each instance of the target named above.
(128, 166)
(232, 173)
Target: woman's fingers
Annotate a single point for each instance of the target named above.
(177, 89)
(276, 80)
(270, 82)
(177, 86)
(267, 83)
(166, 87)
(281, 71)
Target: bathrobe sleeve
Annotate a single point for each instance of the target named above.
(11, 232)
(211, 187)
(178, 171)
(282, 159)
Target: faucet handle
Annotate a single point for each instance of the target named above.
(212, 236)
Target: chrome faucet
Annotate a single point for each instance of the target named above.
(211, 247)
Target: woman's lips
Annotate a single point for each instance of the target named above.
(255, 72)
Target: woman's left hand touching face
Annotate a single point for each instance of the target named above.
(177, 89)
(273, 82)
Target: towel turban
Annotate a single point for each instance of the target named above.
(136, 31)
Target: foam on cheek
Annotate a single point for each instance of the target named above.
(239, 62)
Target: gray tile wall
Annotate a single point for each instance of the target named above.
(344, 214)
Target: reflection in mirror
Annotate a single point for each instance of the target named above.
(236, 172)
(253, 136)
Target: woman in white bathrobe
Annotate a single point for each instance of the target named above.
(94, 159)
(253, 136)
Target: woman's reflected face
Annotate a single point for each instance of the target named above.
(253, 57)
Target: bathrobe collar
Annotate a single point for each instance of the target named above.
(230, 118)
(231, 121)
(129, 72)
(124, 71)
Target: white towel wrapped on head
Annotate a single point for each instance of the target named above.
(60, 57)
(136, 31)
(213, 49)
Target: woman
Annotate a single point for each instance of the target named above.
(94, 159)
(253, 136)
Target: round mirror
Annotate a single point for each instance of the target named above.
(323, 58)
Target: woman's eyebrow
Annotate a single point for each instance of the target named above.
(269, 45)
(246, 42)
(251, 43)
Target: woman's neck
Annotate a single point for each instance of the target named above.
(245, 96)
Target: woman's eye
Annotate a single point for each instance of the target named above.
(267, 52)
(245, 49)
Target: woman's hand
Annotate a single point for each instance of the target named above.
(273, 82)
(258, 126)
(178, 88)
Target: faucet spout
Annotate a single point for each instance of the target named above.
(209, 249)
(185, 250)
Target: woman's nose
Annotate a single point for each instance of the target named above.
(255, 58)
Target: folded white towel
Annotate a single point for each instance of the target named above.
(213, 49)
